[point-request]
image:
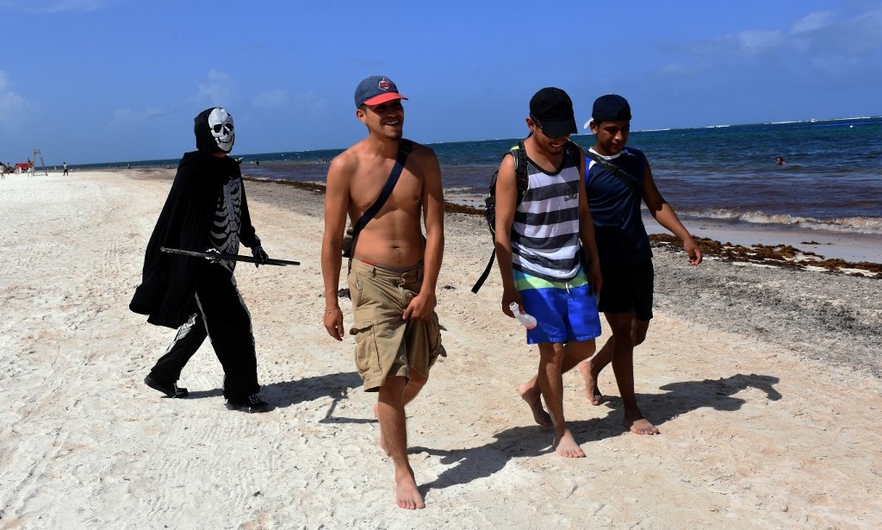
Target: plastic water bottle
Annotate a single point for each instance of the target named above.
(529, 321)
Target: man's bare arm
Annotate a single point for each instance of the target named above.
(337, 199)
(422, 306)
(506, 203)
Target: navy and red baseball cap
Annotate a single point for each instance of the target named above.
(376, 90)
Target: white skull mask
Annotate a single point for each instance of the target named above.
(221, 124)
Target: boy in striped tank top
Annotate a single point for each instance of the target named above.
(538, 248)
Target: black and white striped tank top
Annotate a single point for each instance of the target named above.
(545, 235)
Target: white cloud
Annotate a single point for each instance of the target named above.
(864, 32)
(822, 40)
(10, 104)
(755, 41)
(310, 103)
(675, 70)
(123, 118)
(218, 89)
(13, 106)
(812, 21)
(271, 99)
(744, 43)
(56, 6)
(840, 45)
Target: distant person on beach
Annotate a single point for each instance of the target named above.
(64, 166)
(614, 196)
(539, 243)
(393, 271)
(206, 210)
(780, 160)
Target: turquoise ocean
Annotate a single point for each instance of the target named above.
(831, 180)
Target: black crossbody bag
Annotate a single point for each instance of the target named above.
(404, 148)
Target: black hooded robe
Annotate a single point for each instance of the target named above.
(166, 293)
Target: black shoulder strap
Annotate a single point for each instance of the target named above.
(404, 148)
(630, 180)
(519, 154)
(519, 157)
(574, 149)
(522, 178)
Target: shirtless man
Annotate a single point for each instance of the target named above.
(393, 272)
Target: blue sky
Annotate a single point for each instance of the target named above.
(90, 81)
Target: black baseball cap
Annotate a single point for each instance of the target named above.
(375, 90)
(552, 108)
(611, 107)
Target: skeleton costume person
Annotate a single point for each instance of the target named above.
(206, 210)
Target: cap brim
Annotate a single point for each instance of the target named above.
(383, 98)
(559, 128)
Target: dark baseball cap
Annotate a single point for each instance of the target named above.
(375, 90)
(611, 107)
(552, 108)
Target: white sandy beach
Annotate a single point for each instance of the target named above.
(764, 383)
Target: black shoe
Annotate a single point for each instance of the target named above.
(252, 403)
(169, 389)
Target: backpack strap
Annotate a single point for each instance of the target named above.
(574, 149)
(486, 273)
(522, 178)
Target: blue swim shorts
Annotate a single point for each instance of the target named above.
(565, 311)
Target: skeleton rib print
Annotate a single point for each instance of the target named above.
(224, 234)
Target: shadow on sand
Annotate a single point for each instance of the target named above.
(474, 463)
(288, 393)
(335, 386)
(679, 398)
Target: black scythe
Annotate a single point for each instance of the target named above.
(217, 256)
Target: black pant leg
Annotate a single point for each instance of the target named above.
(188, 339)
(229, 328)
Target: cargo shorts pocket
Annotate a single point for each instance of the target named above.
(367, 357)
(433, 331)
(356, 288)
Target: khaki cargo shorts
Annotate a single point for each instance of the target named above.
(386, 345)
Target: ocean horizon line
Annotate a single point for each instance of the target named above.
(256, 155)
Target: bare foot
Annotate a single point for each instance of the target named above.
(534, 399)
(567, 447)
(591, 391)
(382, 438)
(640, 425)
(407, 496)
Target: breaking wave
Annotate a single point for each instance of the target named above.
(861, 225)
